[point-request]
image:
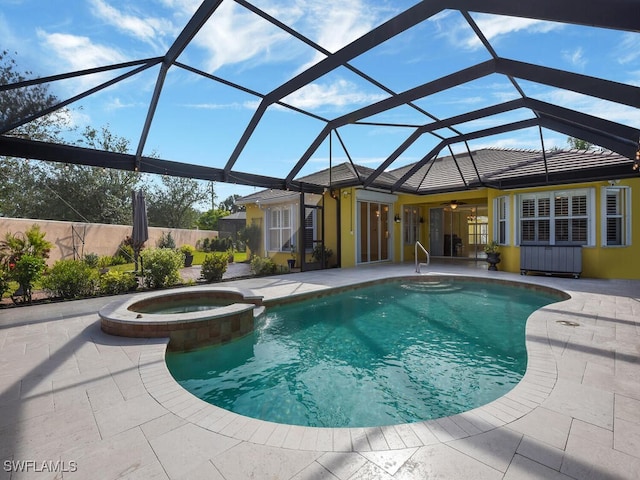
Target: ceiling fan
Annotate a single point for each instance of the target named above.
(453, 204)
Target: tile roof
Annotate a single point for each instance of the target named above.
(490, 167)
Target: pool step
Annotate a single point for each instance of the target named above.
(440, 287)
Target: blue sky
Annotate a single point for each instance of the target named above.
(199, 121)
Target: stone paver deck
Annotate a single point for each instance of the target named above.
(106, 407)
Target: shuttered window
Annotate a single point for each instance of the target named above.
(557, 218)
(616, 203)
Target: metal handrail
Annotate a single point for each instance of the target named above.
(418, 264)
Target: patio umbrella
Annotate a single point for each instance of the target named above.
(140, 233)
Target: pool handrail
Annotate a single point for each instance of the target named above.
(418, 264)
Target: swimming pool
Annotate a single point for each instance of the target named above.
(393, 353)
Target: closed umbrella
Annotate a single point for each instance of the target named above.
(140, 233)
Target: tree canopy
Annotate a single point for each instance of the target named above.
(58, 191)
(171, 203)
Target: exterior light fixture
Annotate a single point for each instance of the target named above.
(396, 218)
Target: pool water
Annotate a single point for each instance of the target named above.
(173, 306)
(394, 353)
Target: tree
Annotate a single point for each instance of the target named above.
(52, 191)
(229, 204)
(209, 219)
(92, 194)
(579, 144)
(171, 203)
(20, 186)
(19, 104)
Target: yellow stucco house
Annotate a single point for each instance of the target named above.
(542, 220)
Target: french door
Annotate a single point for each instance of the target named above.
(373, 232)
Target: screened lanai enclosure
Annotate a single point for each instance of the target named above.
(265, 93)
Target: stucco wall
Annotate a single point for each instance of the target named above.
(94, 237)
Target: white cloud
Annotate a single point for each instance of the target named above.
(78, 52)
(593, 106)
(340, 93)
(337, 23)
(575, 57)
(150, 30)
(234, 35)
(333, 24)
(629, 49)
(220, 106)
(495, 28)
(117, 104)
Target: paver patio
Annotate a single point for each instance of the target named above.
(106, 407)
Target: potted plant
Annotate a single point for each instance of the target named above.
(493, 254)
(321, 254)
(187, 251)
(292, 261)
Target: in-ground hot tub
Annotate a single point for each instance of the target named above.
(190, 317)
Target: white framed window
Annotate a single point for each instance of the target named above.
(410, 225)
(535, 223)
(280, 227)
(557, 218)
(502, 230)
(571, 218)
(616, 216)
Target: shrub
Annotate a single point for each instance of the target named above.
(214, 266)
(119, 260)
(26, 271)
(217, 244)
(15, 245)
(126, 252)
(251, 235)
(105, 261)
(114, 282)
(161, 267)
(206, 244)
(187, 249)
(230, 255)
(319, 251)
(4, 281)
(262, 265)
(71, 279)
(91, 259)
(166, 241)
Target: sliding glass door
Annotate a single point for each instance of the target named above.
(373, 232)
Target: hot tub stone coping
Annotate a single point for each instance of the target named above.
(118, 310)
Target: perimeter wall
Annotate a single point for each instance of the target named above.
(74, 239)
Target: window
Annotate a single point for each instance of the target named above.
(534, 220)
(410, 226)
(616, 230)
(570, 218)
(557, 218)
(501, 209)
(280, 229)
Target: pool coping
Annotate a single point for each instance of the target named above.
(532, 390)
